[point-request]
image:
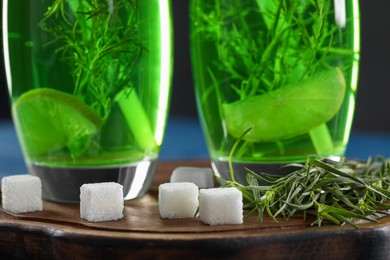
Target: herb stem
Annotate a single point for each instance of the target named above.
(136, 119)
(321, 139)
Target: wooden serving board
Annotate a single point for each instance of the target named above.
(58, 232)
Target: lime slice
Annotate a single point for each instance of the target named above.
(49, 119)
(289, 111)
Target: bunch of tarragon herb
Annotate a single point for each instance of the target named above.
(337, 191)
(98, 40)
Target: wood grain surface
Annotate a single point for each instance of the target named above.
(57, 232)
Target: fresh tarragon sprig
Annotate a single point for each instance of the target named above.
(335, 191)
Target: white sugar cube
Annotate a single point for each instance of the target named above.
(218, 206)
(101, 201)
(21, 193)
(178, 200)
(200, 176)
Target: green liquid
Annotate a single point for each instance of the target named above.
(114, 61)
(280, 76)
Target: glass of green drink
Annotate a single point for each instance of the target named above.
(89, 83)
(275, 80)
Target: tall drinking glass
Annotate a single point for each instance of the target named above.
(89, 83)
(275, 80)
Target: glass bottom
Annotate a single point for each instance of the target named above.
(63, 184)
(240, 169)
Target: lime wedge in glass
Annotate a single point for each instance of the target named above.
(49, 119)
(288, 111)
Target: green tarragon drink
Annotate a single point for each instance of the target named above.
(275, 79)
(89, 82)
